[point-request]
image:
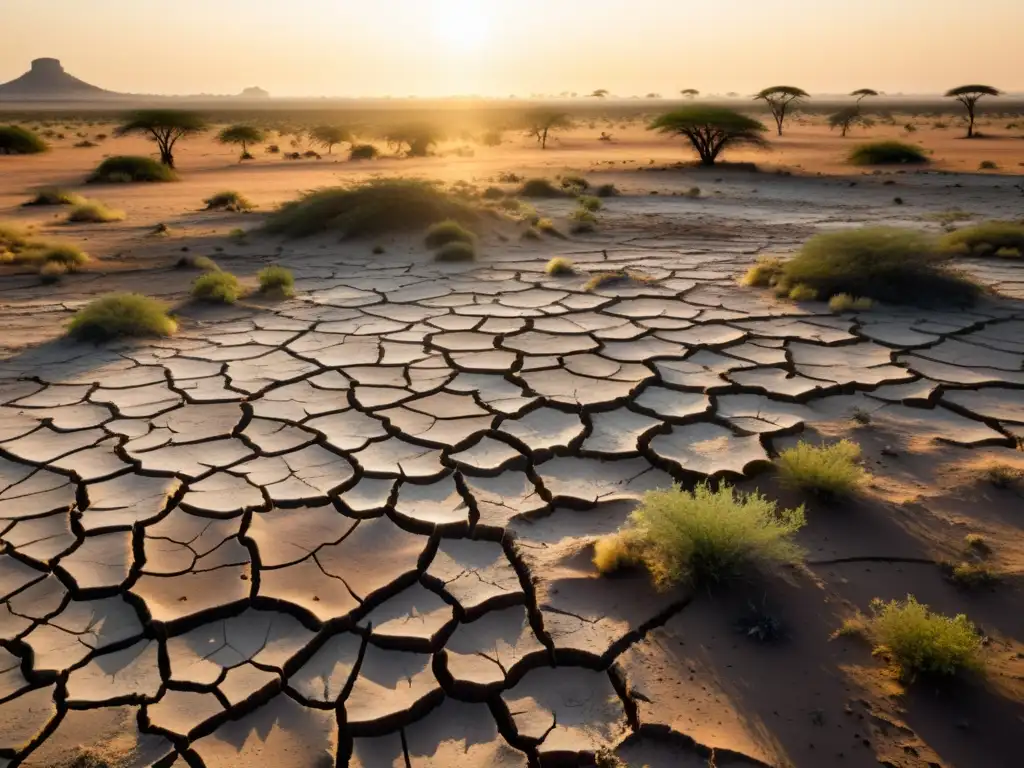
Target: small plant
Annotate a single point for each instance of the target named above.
(70, 256)
(122, 314)
(590, 203)
(607, 190)
(277, 280)
(217, 288)
(540, 188)
(84, 144)
(844, 302)
(493, 193)
(456, 250)
(704, 536)
(378, 250)
(238, 234)
(547, 227)
(1002, 475)
(693, 192)
(54, 196)
(560, 266)
(613, 279)
(273, 149)
(830, 470)
(575, 185)
(445, 232)
(51, 272)
(124, 169)
(860, 416)
(949, 217)
(987, 165)
(15, 140)
(530, 233)
(765, 273)
(801, 292)
(94, 212)
(203, 263)
(1008, 253)
(986, 238)
(888, 153)
(976, 542)
(229, 200)
(921, 643)
(970, 575)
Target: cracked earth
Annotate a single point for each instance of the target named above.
(353, 528)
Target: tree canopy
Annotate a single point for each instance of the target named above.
(689, 92)
(420, 137)
(862, 93)
(968, 95)
(329, 135)
(711, 130)
(600, 93)
(243, 135)
(779, 98)
(541, 122)
(846, 118)
(164, 126)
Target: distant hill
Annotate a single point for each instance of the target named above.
(48, 80)
(254, 92)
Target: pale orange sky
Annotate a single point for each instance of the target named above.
(501, 47)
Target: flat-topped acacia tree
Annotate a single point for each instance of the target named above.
(711, 129)
(242, 135)
(600, 93)
(541, 122)
(689, 93)
(330, 135)
(968, 95)
(779, 99)
(863, 93)
(164, 126)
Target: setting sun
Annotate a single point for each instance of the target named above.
(462, 25)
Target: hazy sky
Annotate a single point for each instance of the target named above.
(500, 47)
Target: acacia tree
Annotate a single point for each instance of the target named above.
(968, 95)
(164, 126)
(779, 99)
(862, 93)
(541, 122)
(419, 137)
(846, 118)
(600, 93)
(329, 135)
(690, 93)
(711, 129)
(242, 135)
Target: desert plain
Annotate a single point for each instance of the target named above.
(356, 526)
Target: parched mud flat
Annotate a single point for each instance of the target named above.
(353, 528)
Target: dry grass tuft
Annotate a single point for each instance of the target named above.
(830, 470)
(217, 288)
(277, 280)
(122, 314)
(560, 266)
(94, 212)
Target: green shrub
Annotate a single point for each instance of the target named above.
(124, 169)
(15, 140)
(51, 272)
(704, 536)
(54, 196)
(94, 212)
(575, 185)
(986, 238)
(582, 226)
(888, 153)
(801, 292)
(987, 165)
(375, 207)
(828, 470)
(560, 266)
(229, 200)
(540, 188)
(217, 288)
(494, 193)
(590, 203)
(583, 215)
(766, 272)
(970, 575)
(363, 152)
(881, 263)
(457, 250)
(275, 279)
(607, 190)
(547, 227)
(919, 642)
(844, 302)
(204, 263)
(445, 232)
(121, 314)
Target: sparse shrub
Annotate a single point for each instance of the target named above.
(830, 470)
(217, 288)
(445, 232)
(844, 302)
(765, 273)
(204, 263)
(987, 165)
(508, 177)
(456, 250)
(15, 140)
(582, 227)
(229, 201)
(547, 227)
(493, 193)
(986, 238)
(122, 314)
(374, 207)
(590, 203)
(888, 153)
(122, 169)
(273, 149)
(801, 292)
(582, 215)
(84, 144)
(693, 192)
(94, 212)
(921, 643)
(574, 184)
(560, 266)
(612, 279)
(51, 272)
(542, 188)
(606, 190)
(951, 216)
(530, 233)
(55, 196)
(378, 250)
(275, 279)
(880, 263)
(976, 542)
(491, 139)
(311, 154)
(238, 234)
(704, 536)
(970, 575)
(1002, 475)
(72, 257)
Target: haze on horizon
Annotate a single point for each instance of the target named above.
(458, 47)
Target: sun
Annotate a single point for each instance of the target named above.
(462, 26)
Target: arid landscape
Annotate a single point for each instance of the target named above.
(487, 453)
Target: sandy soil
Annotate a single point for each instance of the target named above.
(354, 528)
